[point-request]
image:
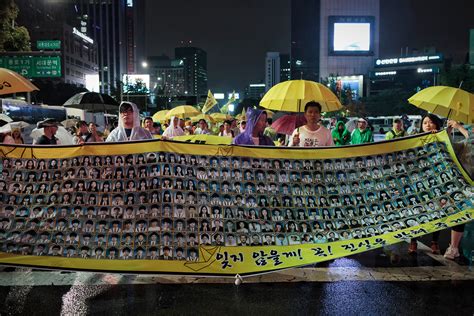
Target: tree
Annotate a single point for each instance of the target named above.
(458, 76)
(12, 37)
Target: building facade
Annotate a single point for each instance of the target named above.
(195, 69)
(333, 38)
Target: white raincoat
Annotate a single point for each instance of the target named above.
(172, 130)
(138, 132)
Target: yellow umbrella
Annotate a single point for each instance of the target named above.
(160, 116)
(453, 103)
(292, 96)
(221, 117)
(205, 117)
(183, 111)
(12, 82)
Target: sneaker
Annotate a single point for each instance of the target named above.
(435, 248)
(413, 248)
(451, 253)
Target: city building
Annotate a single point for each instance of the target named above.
(272, 69)
(333, 38)
(195, 69)
(57, 40)
(305, 39)
(110, 32)
(277, 68)
(255, 91)
(285, 67)
(167, 76)
(414, 73)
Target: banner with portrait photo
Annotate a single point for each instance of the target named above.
(170, 207)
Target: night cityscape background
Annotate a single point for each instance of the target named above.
(179, 50)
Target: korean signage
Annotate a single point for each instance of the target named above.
(48, 44)
(33, 66)
(408, 60)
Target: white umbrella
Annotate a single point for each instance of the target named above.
(7, 128)
(64, 137)
(6, 118)
(351, 125)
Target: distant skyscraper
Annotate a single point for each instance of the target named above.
(255, 91)
(167, 76)
(272, 69)
(195, 69)
(285, 67)
(305, 38)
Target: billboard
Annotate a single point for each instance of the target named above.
(351, 35)
(137, 83)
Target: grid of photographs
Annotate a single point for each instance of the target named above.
(164, 205)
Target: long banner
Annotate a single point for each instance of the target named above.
(170, 207)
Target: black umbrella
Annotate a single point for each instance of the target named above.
(92, 102)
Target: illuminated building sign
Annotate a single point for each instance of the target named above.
(83, 36)
(408, 60)
(385, 73)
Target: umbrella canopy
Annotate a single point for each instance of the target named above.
(292, 96)
(13, 125)
(65, 138)
(5, 118)
(70, 123)
(288, 123)
(12, 82)
(183, 111)
(205, 117)
(160, 116)
(453, 103)
(92, 102)
(221, 117)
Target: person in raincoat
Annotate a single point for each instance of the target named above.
(341, 135)
(128, 125)
(362, 134)
(173, 130)
(253, 133)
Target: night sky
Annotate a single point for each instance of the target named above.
(237, 33)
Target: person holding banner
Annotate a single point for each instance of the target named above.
(253, 133)
(362, 134)
(313, 134)
(50, 127)
(128, 125)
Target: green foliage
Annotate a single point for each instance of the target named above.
(390, 102)
(458, 76)
(12, 37)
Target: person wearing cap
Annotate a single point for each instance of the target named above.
(313, 134)
(50, 127)
(362, 134)
(397, 130)
(128, 125)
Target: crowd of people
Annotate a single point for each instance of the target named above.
(255, 130)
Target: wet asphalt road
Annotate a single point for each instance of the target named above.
(334, 298)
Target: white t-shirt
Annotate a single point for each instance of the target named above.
(318, 138)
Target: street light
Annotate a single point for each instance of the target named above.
(144, 64)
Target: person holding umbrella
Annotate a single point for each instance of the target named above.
(313, 134)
